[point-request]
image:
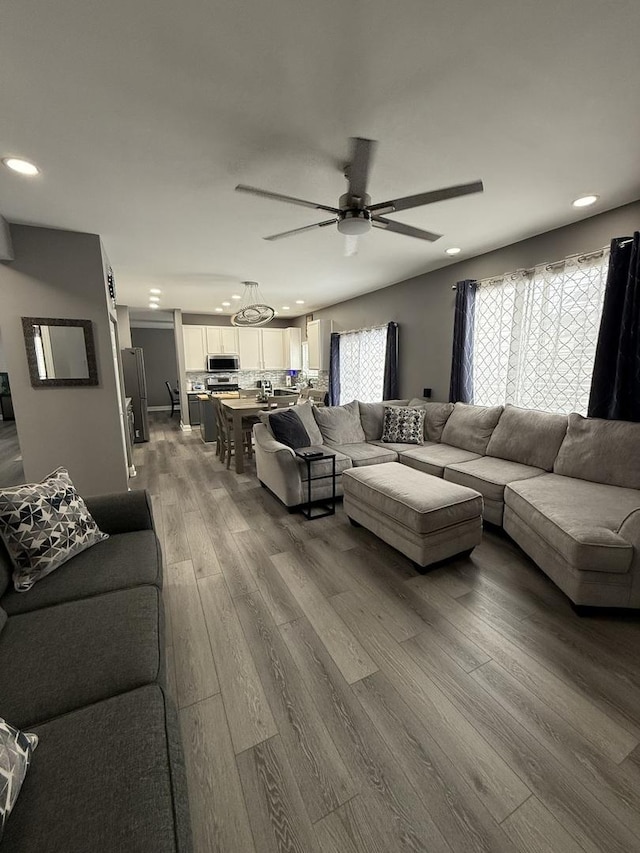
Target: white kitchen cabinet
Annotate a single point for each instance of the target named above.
(221, 339)
(195, 347)
(250, 349)
(293, 348)
(229, 339)
(273, 355)
(318, 337)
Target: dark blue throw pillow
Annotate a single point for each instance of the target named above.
(288, 429)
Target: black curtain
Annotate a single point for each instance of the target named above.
(390, 391)
(461, 387)
(615, 386)
(334, 370)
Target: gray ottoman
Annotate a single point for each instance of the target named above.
(424, 517)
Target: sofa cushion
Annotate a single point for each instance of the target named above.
(43, 525)
(305, 413)
(403, 425)
(368, 454)
(288, 429)
(372, 417)
(470, 427)
(578, 519)
(421, 503)
(322, 467)
(435, 417)
(120, 562)
(528, 436)
(105, 778)
(64, 657)
(340, 424)
(16, 748)
(601, 451)
(433, 458)
(489, 476)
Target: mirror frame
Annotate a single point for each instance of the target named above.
(89, 343)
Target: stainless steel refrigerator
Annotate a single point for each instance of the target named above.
(135, 386)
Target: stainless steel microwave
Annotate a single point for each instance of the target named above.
(223, 362)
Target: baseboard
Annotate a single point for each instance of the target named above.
(185, 427)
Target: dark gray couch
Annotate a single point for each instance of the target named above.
(82, 665)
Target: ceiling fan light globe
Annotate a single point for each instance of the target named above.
(355, 223)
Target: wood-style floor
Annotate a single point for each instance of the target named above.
(333, 701)
(11, 472)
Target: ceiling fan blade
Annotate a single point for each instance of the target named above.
(426, 198)
(301, 230)
(401, 228)
(242, 188)
(350, 245)
(358, 169)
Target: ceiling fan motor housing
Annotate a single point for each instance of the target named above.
(354, 218)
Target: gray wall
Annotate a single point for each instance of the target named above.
(60, 274)
(225, 320)
(424, 306)
(3, 358)
(160, 361)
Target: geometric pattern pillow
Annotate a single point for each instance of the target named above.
(43, 525)
(15, 755)
(403, 425)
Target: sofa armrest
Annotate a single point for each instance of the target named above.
(630, 532)
(122, 512)
(268, 443)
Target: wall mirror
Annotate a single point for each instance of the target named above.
(60, 353)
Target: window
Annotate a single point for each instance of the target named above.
(362, 363)
(535, 335)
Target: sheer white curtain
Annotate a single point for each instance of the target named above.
(362, 361)
(536, 333)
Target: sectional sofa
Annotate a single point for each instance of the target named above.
(82, 666)
(565, 488)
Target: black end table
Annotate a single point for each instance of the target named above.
(318, 509)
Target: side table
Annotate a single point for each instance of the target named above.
(318, 509)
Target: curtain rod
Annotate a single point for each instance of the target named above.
(364, 329)
(524, 270)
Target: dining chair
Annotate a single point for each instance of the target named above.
(317, 395)
(174, 397)
(225, 445)
(282, 401)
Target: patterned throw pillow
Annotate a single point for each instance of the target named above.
(15, 755)
(403, 425)
(43, 525)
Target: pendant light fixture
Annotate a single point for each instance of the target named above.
(253, 310)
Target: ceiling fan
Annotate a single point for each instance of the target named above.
(355, 215)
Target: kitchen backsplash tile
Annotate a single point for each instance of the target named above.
(250, 378)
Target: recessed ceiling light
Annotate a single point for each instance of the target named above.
(285, 308)
(299, 301)
(155, 290)
(226, 304)
(154, 299)
(20, 165)
(585, 200)
(235, 296)
(218, 309)
(153, 305)
(454, 250)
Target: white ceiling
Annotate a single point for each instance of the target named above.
(144, 115)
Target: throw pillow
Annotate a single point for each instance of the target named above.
(403, 425)
(470, 427)
(305, 413)
(372, 417)
(340, 424)
(288, 429)
(16, 748)
(43, 525)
